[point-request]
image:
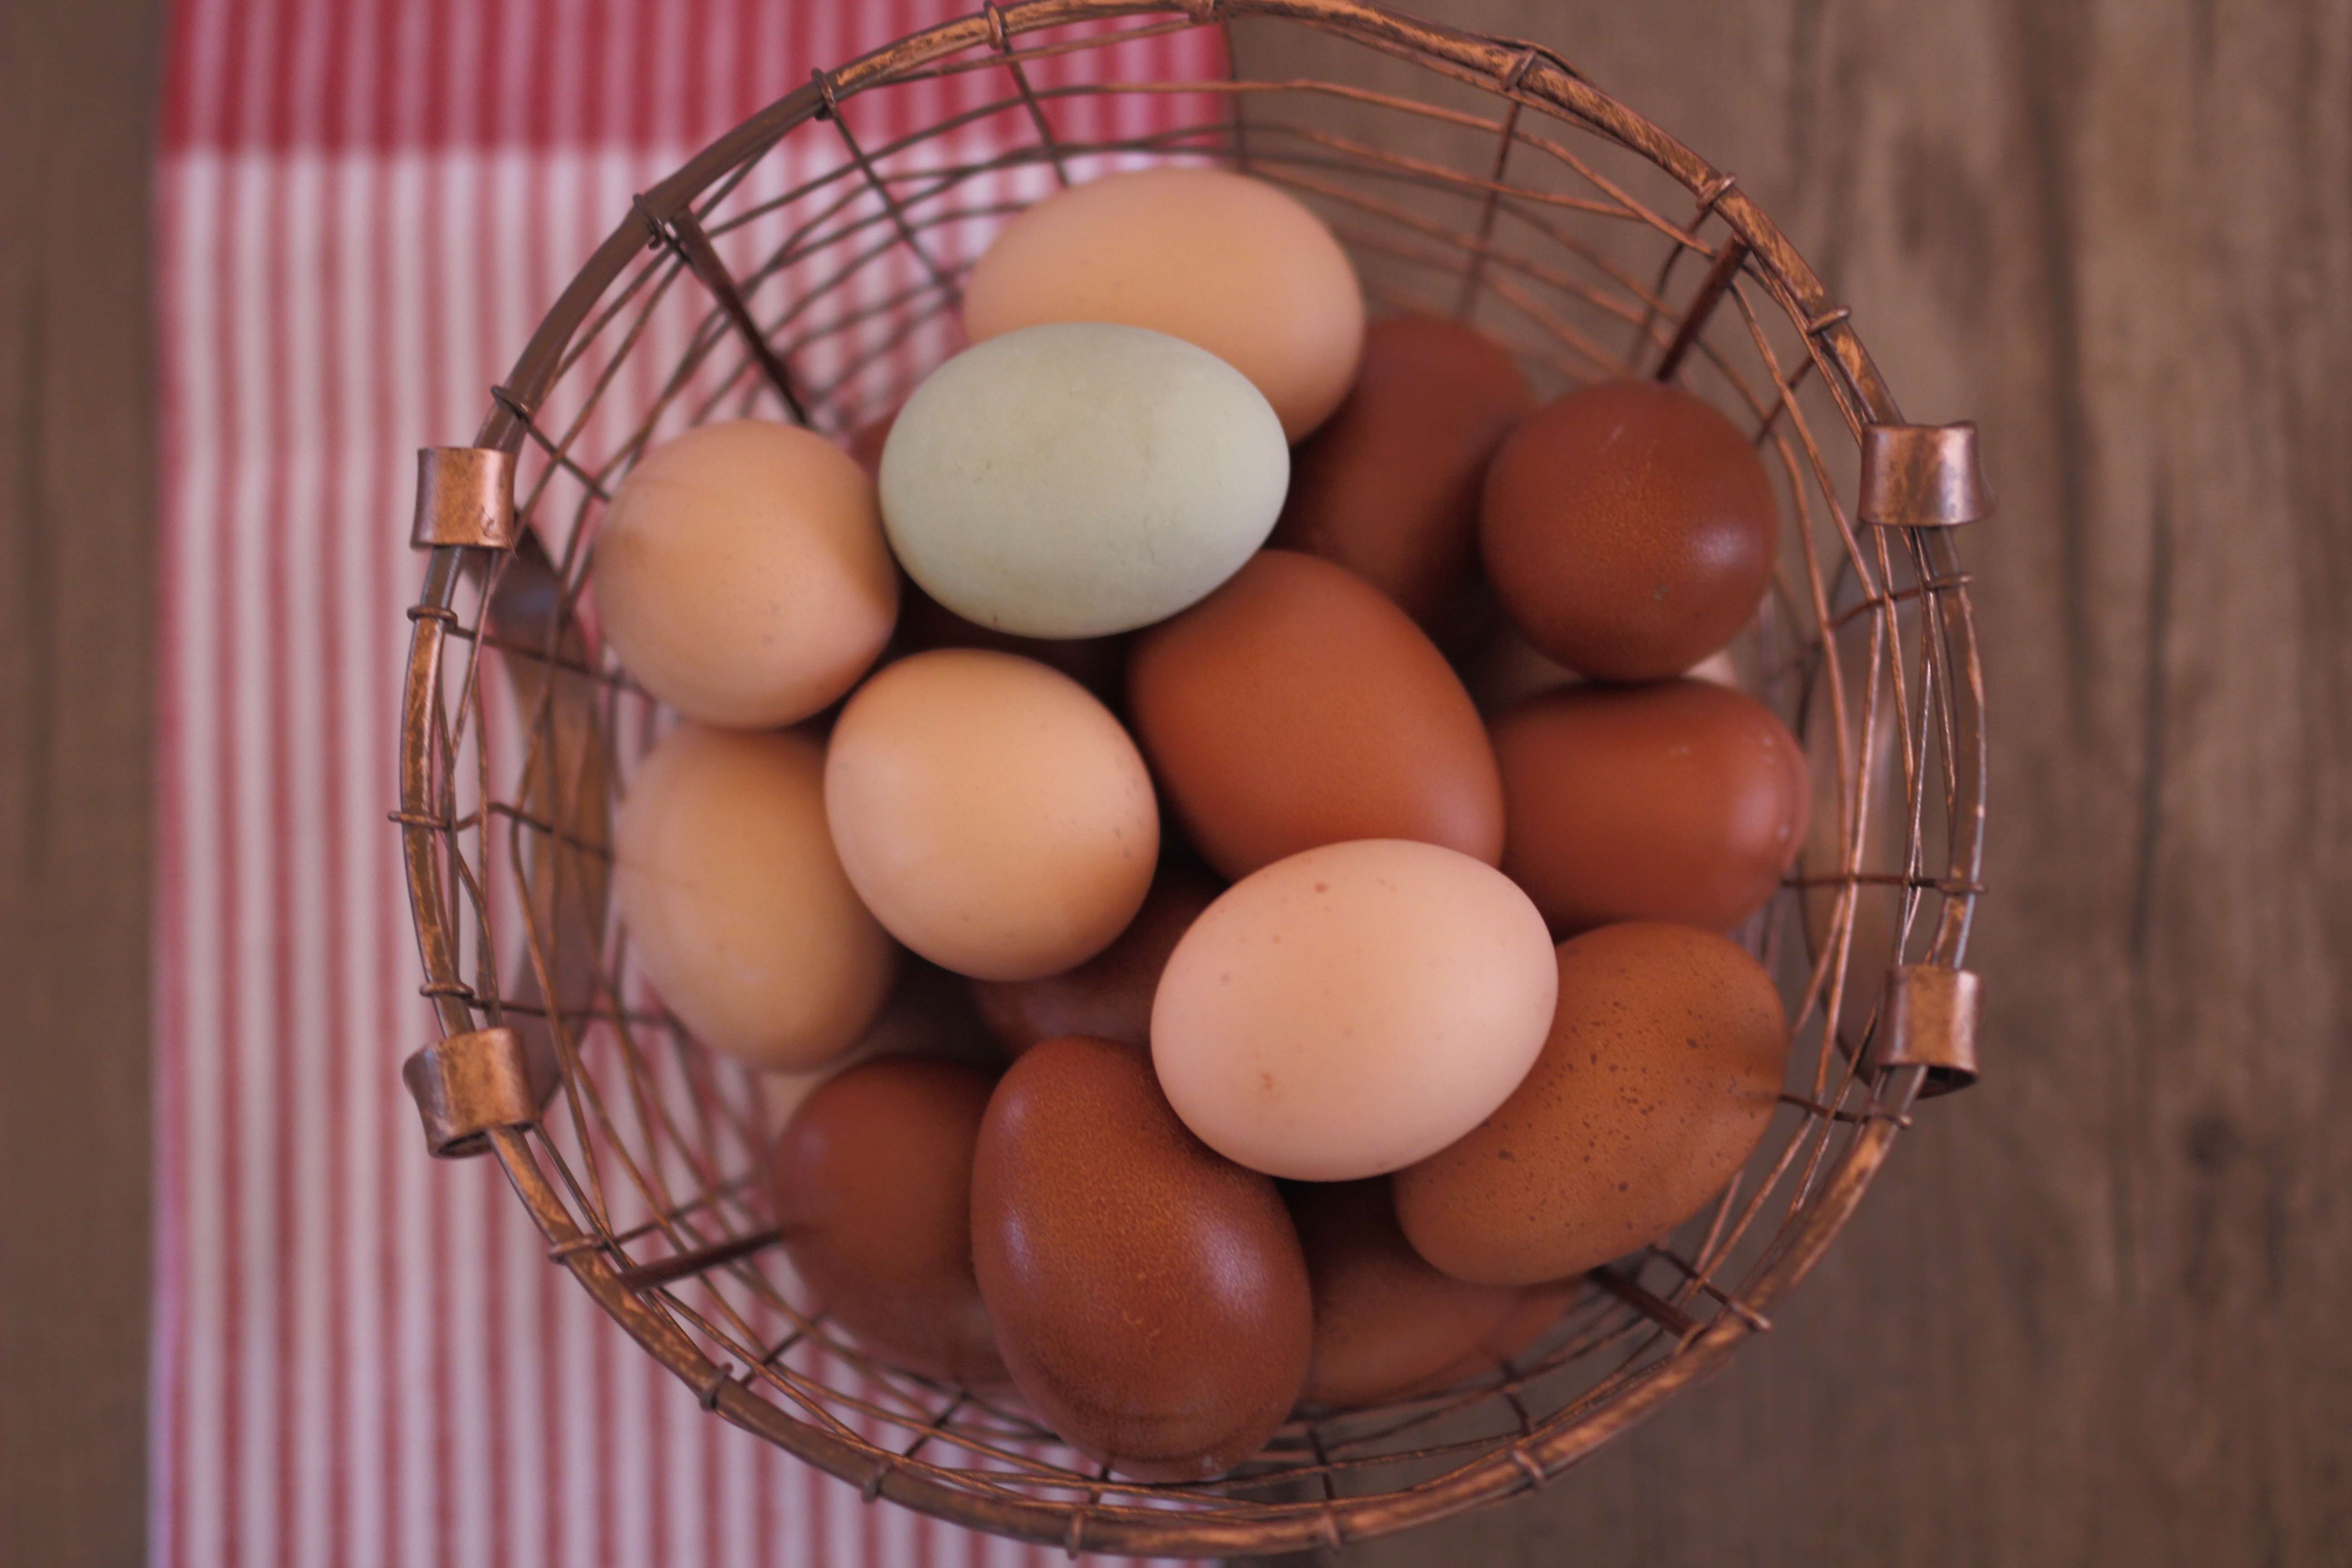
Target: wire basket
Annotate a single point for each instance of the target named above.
(795, 269)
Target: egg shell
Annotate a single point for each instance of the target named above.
(1149, 1296)
(1685, 801)
(1296, 707)
(1386, 1325)
(1219, 260)
(1078, 480)
(1661, 1072)
(991, 814)
(1628, 529)
(741, 575)
(1389, 487)
(1108, 996)
(1352, 1009)
(871, 1186)
(737, 906)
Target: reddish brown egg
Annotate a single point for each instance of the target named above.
(1628, 529)
(1148, 1294)
(1685, 801)
(1296, 707)
(1110, 996)
(1389, 487)
(1389, 1326)
(1662, 1071)
(871, 1183)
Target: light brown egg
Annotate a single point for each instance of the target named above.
(1661, 1073)
(871, 1185)
(741, 575)
(1386, 1325)
(1683, 801)
(1108, 996)
(1222, 260)
(736, 904)
(1149, 1296)
(1296, 707)
(991, 814)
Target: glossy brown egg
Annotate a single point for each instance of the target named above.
(1389, 487)
(1664, 1062)
(871, 1182)
(1628, 529)
(1685, 801)
(1108, 996)
(1296, 707)
(1389, 1326)
(1148, 1295)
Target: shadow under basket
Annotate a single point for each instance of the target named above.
(806, 265)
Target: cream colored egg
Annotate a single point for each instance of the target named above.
(736, 905)
(1214, 257)
(1353, 1008)
(991, 812)
(741, 575)
(1079, 480)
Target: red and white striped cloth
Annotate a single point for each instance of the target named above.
(361, 1357)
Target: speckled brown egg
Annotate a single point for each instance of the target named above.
(1389, 487)
(1685, 801)
(871, 1182)
(1108, 996)
(1664, 1061)
(1298, 707)
(1386, 1325)
(1148, 1295)
(1628, 529)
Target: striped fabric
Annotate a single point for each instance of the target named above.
(361, 1357)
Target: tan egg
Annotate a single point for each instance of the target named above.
(736, 905)
(1662, 1071)
(1352, 1009)
(991, 812)
(1386, 1325)
(741, 576)
(1217, 258)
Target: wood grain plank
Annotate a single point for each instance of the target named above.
(76, 544)
(2091, 1314)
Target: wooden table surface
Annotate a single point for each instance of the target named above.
(2093, 1312)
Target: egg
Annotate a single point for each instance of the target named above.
(741, 574)
(737, 906)
(1389, 487)
(991, 814)
(1296, 707)
(1685, 801)
(1081, 478)
(1352, 1009)
(1386, 1325)
(1108, 996)
(1628, 529)
(1661, 1072)
(1149, 1296)
(871, 1185)
(1219, 260)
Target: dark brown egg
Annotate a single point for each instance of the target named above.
(1389, 487)
(1110, 996)
(871, 1182)
(1298, 707)
(1664, 1065)
(1149, 1294)
(1095, 663)
(1389, 1326)
(1683, 801)
(1628, 529)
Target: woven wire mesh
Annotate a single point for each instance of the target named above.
(795, 270)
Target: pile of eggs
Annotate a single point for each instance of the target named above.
(1205, 813)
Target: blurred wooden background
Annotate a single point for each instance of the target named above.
(2092, 1314)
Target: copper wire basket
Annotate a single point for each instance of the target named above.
(798, 271)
